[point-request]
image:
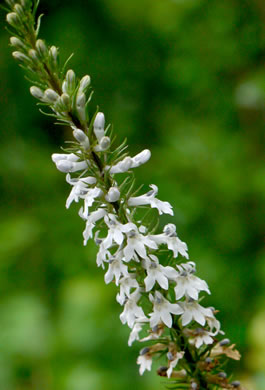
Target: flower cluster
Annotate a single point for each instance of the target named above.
(158, 290)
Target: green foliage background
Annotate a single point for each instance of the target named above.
(186, 79)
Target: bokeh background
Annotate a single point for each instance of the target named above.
(186, 79)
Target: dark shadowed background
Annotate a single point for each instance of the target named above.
(186, 79)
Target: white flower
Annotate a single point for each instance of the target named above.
(89, 198)
(91, 220)
(131, 310)
(134, 335)
(173, 361)
(126, 283)
(150, 198)
(194, 311)
(162, 310)
(145, 362)
(116, 231)
(136, 243)
(103, 255)
(200, 337)
(214, 324)
(172, 241)
(79, 189)
(116, 269)
(130, 162)
(98, 125)
(187, 283)
(158, 273)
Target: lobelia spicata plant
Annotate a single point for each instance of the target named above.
(158, 289)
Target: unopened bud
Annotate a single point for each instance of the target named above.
(13, 19)
(104, 143)
(33, 55)
(21, 57)
(41, 48)
(81, 106)
(224, 342)
(84, 83)
(222, 375)
(235, 384)
(36, 92)
(50, 95)
(69, 82)
(141, 158)
(113, 195)
(143, 351)
(54, 55)
(82, 138)
(99, 124)
(17, 43)
(19, 10)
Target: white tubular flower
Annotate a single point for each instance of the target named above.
(91, 220)
(122, 166)
(79, 189)
(126, 284)
(67, 166)
(158, 273)
(172, 241)
(116, 269)
(116, 231)
(173, 361)
(82, 138)
(113, 195)
(215, 326)
(189, 284)
(56, 157)
(136, 243)
(131, 310)
(192, 310)
(150, 198)
(141, 158)
(162, 310)
(104, 144)
(99, 124)
(145, 362)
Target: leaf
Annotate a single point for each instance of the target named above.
(65, 64)
(38, 25)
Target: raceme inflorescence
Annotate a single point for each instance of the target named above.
(158, 289)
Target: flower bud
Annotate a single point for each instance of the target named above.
(53, 52)
(84, 83)
(82, 138)
(33, 55)
(99, 124)
(222, 375)
(224, 342)
(104, 143)
(69, 82)
(21, 57)
(235, 384)
(63, 104)
(81, 106)
(141, 158)
(113, 195)
(169, 229)
(36, 92)
(13, 19)
(17, 43)
(19, 10)
(41, 48)
(50, 96)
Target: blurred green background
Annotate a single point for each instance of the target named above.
(186, 79)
